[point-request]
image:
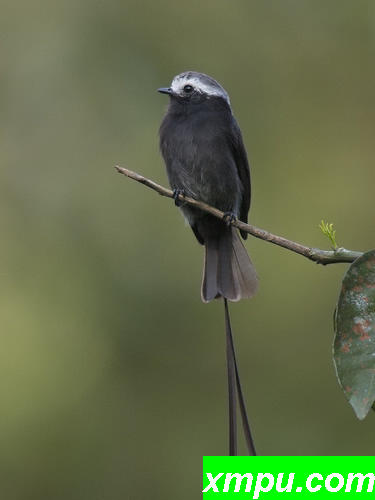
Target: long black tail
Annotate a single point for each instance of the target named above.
(234, 387)
(228, 271)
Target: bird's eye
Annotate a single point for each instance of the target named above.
(188, 89)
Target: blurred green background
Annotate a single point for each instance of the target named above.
(112, 370)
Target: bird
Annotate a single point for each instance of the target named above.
(202, 147)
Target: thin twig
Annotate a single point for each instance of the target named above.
(315, 254)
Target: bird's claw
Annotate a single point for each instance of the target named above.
(176, 194)
(229, 217)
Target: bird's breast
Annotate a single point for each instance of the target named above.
(199, 160)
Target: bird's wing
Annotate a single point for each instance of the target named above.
(242, 163)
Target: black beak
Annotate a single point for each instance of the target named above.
(165, 90)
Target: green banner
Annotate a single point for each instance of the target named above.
(274, 477)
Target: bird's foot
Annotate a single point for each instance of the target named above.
(229, 217)
(176, 194)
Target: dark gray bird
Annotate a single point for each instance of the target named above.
(206, 159)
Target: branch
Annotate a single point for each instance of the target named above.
(315, 254)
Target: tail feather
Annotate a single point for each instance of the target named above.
(228, 271)
(211, 262)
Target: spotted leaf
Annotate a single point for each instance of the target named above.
(354, 345)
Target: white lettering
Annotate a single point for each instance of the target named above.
(361, 478)
(331, 488)
(309, 481)
(258, 486)
(213, 481)
(288, 487)
(239, 477)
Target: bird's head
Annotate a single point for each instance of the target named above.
(192, 87)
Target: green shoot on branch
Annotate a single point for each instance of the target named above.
(327, 230)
